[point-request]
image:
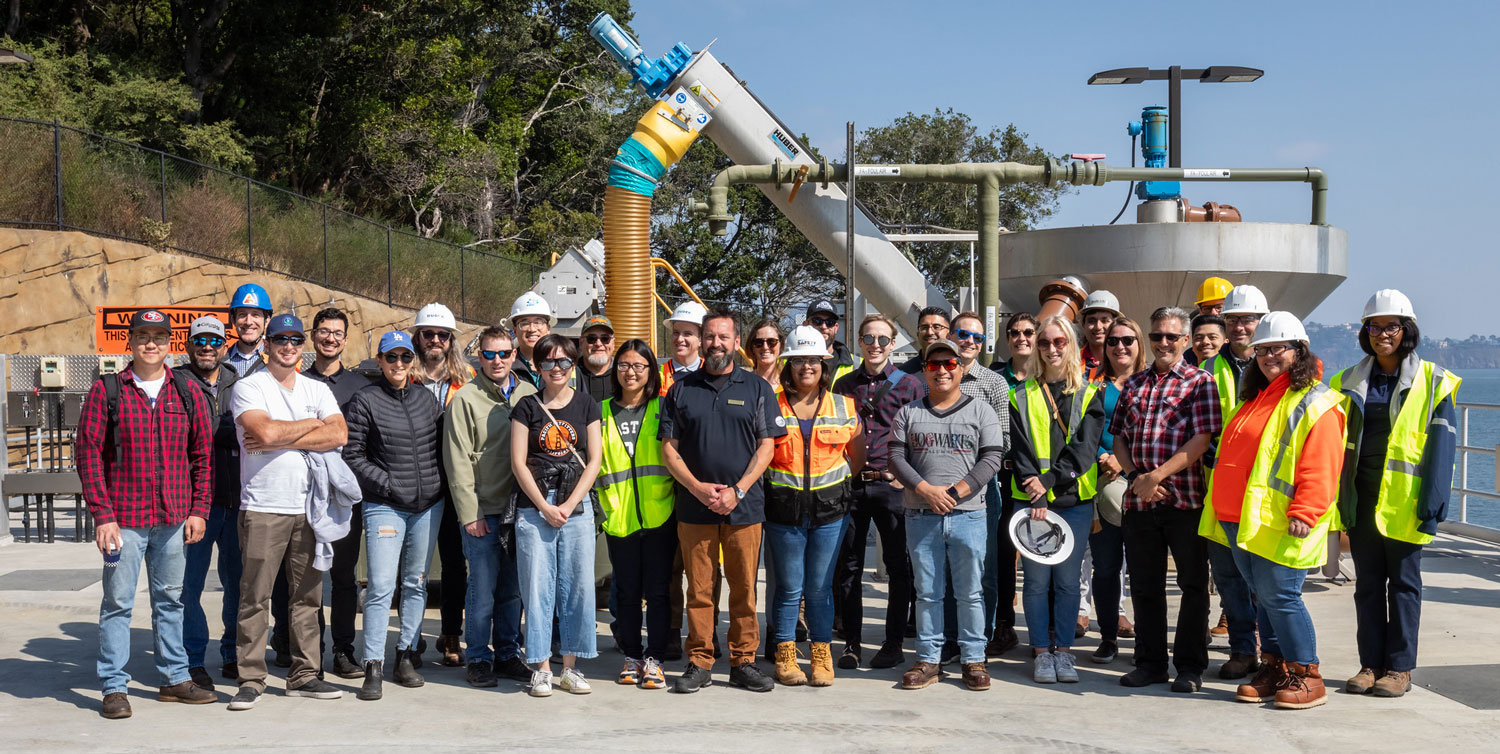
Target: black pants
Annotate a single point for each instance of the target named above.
(1387, 596)
(455, 586)
(343, 605)
(642, 564)
(876, 503)
(1108, 546)
(1149, 537)
(1005, 563)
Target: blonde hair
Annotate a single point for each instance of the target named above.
(1072, 363)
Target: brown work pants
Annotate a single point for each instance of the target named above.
(701, 545)
(268, 540)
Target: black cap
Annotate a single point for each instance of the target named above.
(822, 306)
(150, 318)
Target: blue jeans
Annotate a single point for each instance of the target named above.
(1234, 598)
(805, 558)
(396, 541)
(1286, 628)
(957, 541)
(222, 530)
(1050, 597)
(556, 566)
(1106, 584)
(492, 604)
(162, 550)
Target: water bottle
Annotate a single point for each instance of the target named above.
(112, 555)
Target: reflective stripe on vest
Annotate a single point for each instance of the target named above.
(1272, 485)
(1401, 481)
(1036, 421)
(634, 490)
(824, 464)
(1223, 374)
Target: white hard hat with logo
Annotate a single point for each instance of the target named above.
(1049, 541)
(1245, 299)
(1279, 327)
(530, 304)
(1101, 299)
(1389, 302)
(691, 312)
(806, 341)
(436, 315)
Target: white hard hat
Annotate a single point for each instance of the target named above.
(1245, 299)
(806, 341)
(1049, 541)
(691, 312)
(1277, 327)
(1389, 302)
(530, 304)
(436, 315)
(1101, 299)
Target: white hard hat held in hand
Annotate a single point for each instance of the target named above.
(1279, 327)
(1389, 302)
(1245, 299)
(530, 304)
(806, 341)
(436, 315)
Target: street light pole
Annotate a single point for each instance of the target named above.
(1174, 116)
(1215, 74)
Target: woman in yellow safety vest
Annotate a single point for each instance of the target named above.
(1056, 421)
(808, 496)
(1398, 468)
(1271, 501)
(635, 492)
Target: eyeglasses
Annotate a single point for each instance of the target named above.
(404, 357)
(208, 340)
(632, 367)
(597, 339)
(143, 339)
(873, 340)
(498, 354)
(1116, 340)
(932, 327)
(765, 343)
(962, 334)
(1056, 344)
(1389, 330)
(1015, 333)
(797, 362)
(1272, 350)
(442, 335)
(288, 340)
(323, 332)
(1170, 337)
(547, 365)
(1241, 320)
(936, 364)
(823, 321)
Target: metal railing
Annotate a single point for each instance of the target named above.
(57, 177)
(1471, 477)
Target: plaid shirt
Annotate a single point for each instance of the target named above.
(862, 386)
(161, 472)
(1156, 415)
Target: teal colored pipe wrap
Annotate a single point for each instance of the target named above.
(635, 169)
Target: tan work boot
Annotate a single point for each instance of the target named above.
(822, 664)
(1393, 684)
(1363, 682)
(787, 672)
(1262, 688)
(1304, 688)
(1222, 629)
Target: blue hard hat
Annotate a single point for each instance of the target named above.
(251, 296)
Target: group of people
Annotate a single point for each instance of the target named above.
(1209, 437)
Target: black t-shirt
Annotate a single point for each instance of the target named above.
(547, 456)
(718, 422)
(599, 387)
(628, 422)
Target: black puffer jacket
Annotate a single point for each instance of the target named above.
(395, 446)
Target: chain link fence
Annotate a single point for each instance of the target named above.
(65, 179)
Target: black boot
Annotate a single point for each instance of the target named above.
(405, 673)
(370, 691)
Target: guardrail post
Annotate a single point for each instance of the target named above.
(1463, 467)
(57, 168)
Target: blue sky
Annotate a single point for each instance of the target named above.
(1397, 101)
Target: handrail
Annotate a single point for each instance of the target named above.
(1462, 486)
(665, 265)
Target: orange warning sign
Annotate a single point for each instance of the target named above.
(112, 325)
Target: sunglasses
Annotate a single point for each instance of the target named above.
(823, 321)
(948, 364)
(288, 340)
(442, 335)
(1170, 337)
(1275, 350)
(1115, 340)
(547, 365)
(492, 355)
(208, 340)
(765, 343)
(1056, 344)
(962, 334)
(1015, 333)
(393, 357)
(875, 340)
(596, 339)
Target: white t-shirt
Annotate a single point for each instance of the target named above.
(276, 481)
(152, 388)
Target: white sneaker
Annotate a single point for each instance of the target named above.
(1046, 668)
(541, 683)
(1066, 673)
(573, 682)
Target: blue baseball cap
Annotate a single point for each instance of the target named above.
(393, 340)
(282, 324)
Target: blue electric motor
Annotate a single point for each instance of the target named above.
(1152, 128)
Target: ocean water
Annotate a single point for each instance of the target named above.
(1480, 386)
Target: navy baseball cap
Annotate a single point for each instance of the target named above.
(393, 340)
(282, 324)
(150, 318)
(822, 306)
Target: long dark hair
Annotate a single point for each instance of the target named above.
(1304, 373)
(825, 378)
(653, 375)
(1411, 337)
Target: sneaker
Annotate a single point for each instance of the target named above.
(630, 675)
(573, 682)
(652, 676)
(1044, 668)
(692, 679)
(316, 689)
(244, 699)
(480, 675)
(1105, 654)
(1187, 682)
(541, 683)
(201, 677)
(889, 656)
(849, 660)
(186, 692)
(116, 706)
(1143, 677)
(515, 669)
(748, 676)
(1063, 661)
(344, 665)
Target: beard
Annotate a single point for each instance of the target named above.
(596, 361)
(205, 363)
(718, 361)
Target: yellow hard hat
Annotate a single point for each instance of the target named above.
(1213, 289)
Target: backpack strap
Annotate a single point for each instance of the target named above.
(112, 408)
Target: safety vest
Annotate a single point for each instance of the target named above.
(1401, 481)
(1036, 422)
(1224, 380)
(635, 491)
(820, 464)
(1272, 485)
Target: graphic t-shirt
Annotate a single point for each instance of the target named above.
(628, 421)
(547, 456)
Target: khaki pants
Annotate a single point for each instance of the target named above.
(701, 544)
(268, 540)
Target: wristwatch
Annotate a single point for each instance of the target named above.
(1132, 475)
(739, 494)
(953, 492)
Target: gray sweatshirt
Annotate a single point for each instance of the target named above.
(965, 442)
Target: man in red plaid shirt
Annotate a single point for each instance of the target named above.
(146, 479)
(1163, 423)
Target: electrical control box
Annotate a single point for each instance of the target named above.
(54, 372)
(111, 364)
(23, 409)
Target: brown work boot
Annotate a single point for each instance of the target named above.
(976, 676)
(1262, 688)
(1363, 682)
(186, 692)
(822, 664)
(921, 675)
(1304, 688)
(1223, 628)
(452, 649)
(787, 672)
(116, 706)
(1238, 666)
(1393, 684)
